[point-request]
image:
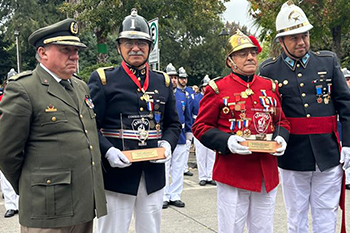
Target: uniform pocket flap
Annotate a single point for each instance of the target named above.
(51, 178)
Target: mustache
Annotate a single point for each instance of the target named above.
(135, 53)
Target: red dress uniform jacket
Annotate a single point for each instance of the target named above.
(223, 104)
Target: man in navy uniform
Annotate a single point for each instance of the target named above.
(182, 84)
(313, 92)
(175, 166)
(135, 109)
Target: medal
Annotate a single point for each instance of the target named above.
(249, 91)
(326, 100)
(242, 115)
(157, 127)
(225, 110)
(239, 133)
(244, 95)
(247, 133)
(151, 124)
(145, 97)
(319, 100)
(156, 106)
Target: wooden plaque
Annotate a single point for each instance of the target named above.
(261, 146)
(145, 154)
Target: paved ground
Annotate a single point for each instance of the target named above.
(199, 215)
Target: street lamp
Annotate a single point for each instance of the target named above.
(223, 37)
(17, 48)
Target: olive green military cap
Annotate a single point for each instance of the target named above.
(64, 32)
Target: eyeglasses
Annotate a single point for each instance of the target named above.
(131, 43)
(245, 53)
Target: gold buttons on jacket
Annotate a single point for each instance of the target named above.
(91, 147)
(48, 182)
(86, 131)
(306, 105)
(81, 116)
(93, 163)
(138, 89)
(139, 79)
(298, 65)
(301, 84)
(156, 91)
(308, 115)
(303, 94)
(285, 82)
(300, 75)
(53, 119)
(141, 109)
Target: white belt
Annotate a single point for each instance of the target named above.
(131, 134)
(258, 137)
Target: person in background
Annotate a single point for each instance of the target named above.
(182, 84)
(135, 109)
(10, 196)
(234, 108)
(174, 167)
(205, 157)
(313, 92)
(346, 74)
(48, 138)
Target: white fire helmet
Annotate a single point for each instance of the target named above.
(170, 69)
(182, 73)
(291, 20)
(346, 73)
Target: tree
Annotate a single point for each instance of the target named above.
(24, 16)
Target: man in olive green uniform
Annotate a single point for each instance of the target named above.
(48, 141)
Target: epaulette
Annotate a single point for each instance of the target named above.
(102, 75)
(324, 53)
(268, 62)
(213, 85)
(273, 83)
(21, 75)
(166, 77)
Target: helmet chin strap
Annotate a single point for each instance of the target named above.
(234, 65)
(289, 53)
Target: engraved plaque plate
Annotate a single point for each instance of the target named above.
(145, 154)
(261, 146)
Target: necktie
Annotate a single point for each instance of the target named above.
(70, 90)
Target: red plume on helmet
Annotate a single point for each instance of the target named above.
(256, 43)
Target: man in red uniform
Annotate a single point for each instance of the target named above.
(237, 107)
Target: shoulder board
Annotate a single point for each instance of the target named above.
(269, 61)
(166, 77)
(21, 75)
(273, 83)
(213, 85)
(324, 53)
(102, 75)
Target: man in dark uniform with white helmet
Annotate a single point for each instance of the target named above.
(135, 109)
(313, 92)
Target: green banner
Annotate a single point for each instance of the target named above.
(102, 48)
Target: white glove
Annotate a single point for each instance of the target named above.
(345, 157)
(189, 137)
(235, 147)
(280, 151)
(116, 158)
(166, 145)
